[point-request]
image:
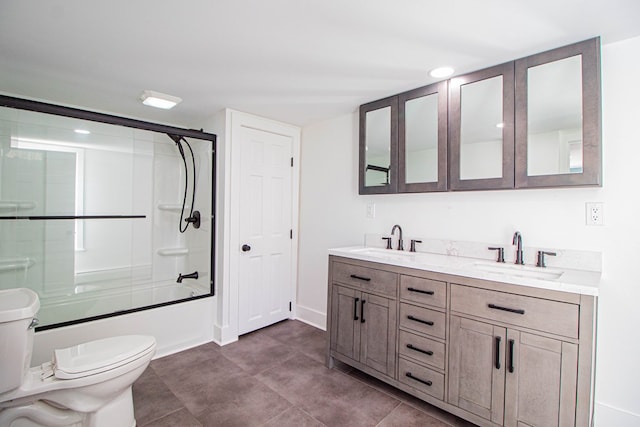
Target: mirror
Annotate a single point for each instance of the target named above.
(554, 125)
(378, 147)
(481, 129)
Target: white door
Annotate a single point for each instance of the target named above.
(265, 223)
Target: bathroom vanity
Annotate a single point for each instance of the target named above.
(493, 343)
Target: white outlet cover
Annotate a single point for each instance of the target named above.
(594, 213)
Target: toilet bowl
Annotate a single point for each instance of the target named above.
(85, 385)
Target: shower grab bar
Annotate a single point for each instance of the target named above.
(58, 217)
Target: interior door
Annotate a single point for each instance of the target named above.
(265, 222)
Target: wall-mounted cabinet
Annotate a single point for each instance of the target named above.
(533, 122)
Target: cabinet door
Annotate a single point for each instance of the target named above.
(379, 147)
(476, 368)
(378, 334)
(345, 322)
(541, 390)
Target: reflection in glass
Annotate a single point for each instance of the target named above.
(378, 147)
(481, 129)
(89, 267)
(421, 139)
(554, 117)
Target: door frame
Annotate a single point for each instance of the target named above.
(226, 325)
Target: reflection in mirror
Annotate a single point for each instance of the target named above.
(378, 147)
(554, 117)
(421, 139)
(90, 212)
(481, 129)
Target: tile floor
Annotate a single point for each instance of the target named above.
(272, 377)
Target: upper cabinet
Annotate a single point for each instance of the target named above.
(533, 122)
(558, 117)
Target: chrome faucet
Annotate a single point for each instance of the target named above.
(393, 230)
(517, 240)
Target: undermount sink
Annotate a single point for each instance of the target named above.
(519, 270)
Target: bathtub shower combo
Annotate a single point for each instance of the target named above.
(102, 215)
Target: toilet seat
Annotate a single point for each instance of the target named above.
(98, 356)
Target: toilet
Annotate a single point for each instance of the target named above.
(87, 385)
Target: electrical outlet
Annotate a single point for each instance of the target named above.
(595, 213)
(371, 210)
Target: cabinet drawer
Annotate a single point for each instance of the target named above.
(422, 349)
(423, 320)
(368, 279)
(421, 378)
(544, 315)
(423, 291)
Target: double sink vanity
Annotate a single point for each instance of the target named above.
(495, 343)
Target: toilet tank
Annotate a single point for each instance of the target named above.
(17, 309)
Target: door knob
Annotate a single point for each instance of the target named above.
(246, 248)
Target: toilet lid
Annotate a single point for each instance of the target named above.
(98, 356)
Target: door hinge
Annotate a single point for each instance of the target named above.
(289, 305)
(292, 162)
(291, 234)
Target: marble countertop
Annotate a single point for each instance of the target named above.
(554, 278)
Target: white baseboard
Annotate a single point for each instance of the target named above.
(606, 416)
(223, 335)
(311, 317)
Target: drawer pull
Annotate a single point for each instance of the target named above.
(511, 344)
(355, 308)
(420, 291)
(498, 340)
(415, 319)
(366, 279)
(425, 382)
(510, 310)
(362, 311)
(427, 352)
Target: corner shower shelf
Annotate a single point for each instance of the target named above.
(172, 207)
(10, 264)
(173, 251)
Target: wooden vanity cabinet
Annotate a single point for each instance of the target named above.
(495, 354)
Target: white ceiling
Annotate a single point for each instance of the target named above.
(298, 61)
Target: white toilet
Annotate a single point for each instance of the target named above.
(87, 385)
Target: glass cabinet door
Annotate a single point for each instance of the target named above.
(481, 129)
(558, 139)
(379, 147)
(422, 139)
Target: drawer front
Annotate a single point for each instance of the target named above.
(422, 319)
(421, 378)
(422, 349)
(544, 315)
(423, 291)
(368, 279)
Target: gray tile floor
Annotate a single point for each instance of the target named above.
(272, 377)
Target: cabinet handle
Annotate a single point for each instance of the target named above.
(366, 279)
(427, 352)
(425, 382)
(420, 291)
(355, 308)
(498, 340)
(510, 310)
(362, 311)
(511, 344)
(415, 319)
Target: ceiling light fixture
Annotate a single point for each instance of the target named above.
(441, 72)
(159, 100)
(82, 131)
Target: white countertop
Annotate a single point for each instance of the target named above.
(557, 279)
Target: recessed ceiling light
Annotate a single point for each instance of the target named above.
(159, 100)
(82, 131)
(441, 72)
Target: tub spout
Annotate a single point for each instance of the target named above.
(181, 276)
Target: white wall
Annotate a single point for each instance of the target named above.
(332, 214)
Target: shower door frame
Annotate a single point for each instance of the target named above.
(77, 113)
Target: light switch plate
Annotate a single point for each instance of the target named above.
(371, 210)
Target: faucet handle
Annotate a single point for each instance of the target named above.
(540, 261)
(413, 245)
(388, 239)
(500, 253)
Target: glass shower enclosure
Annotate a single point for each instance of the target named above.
(103, 215)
